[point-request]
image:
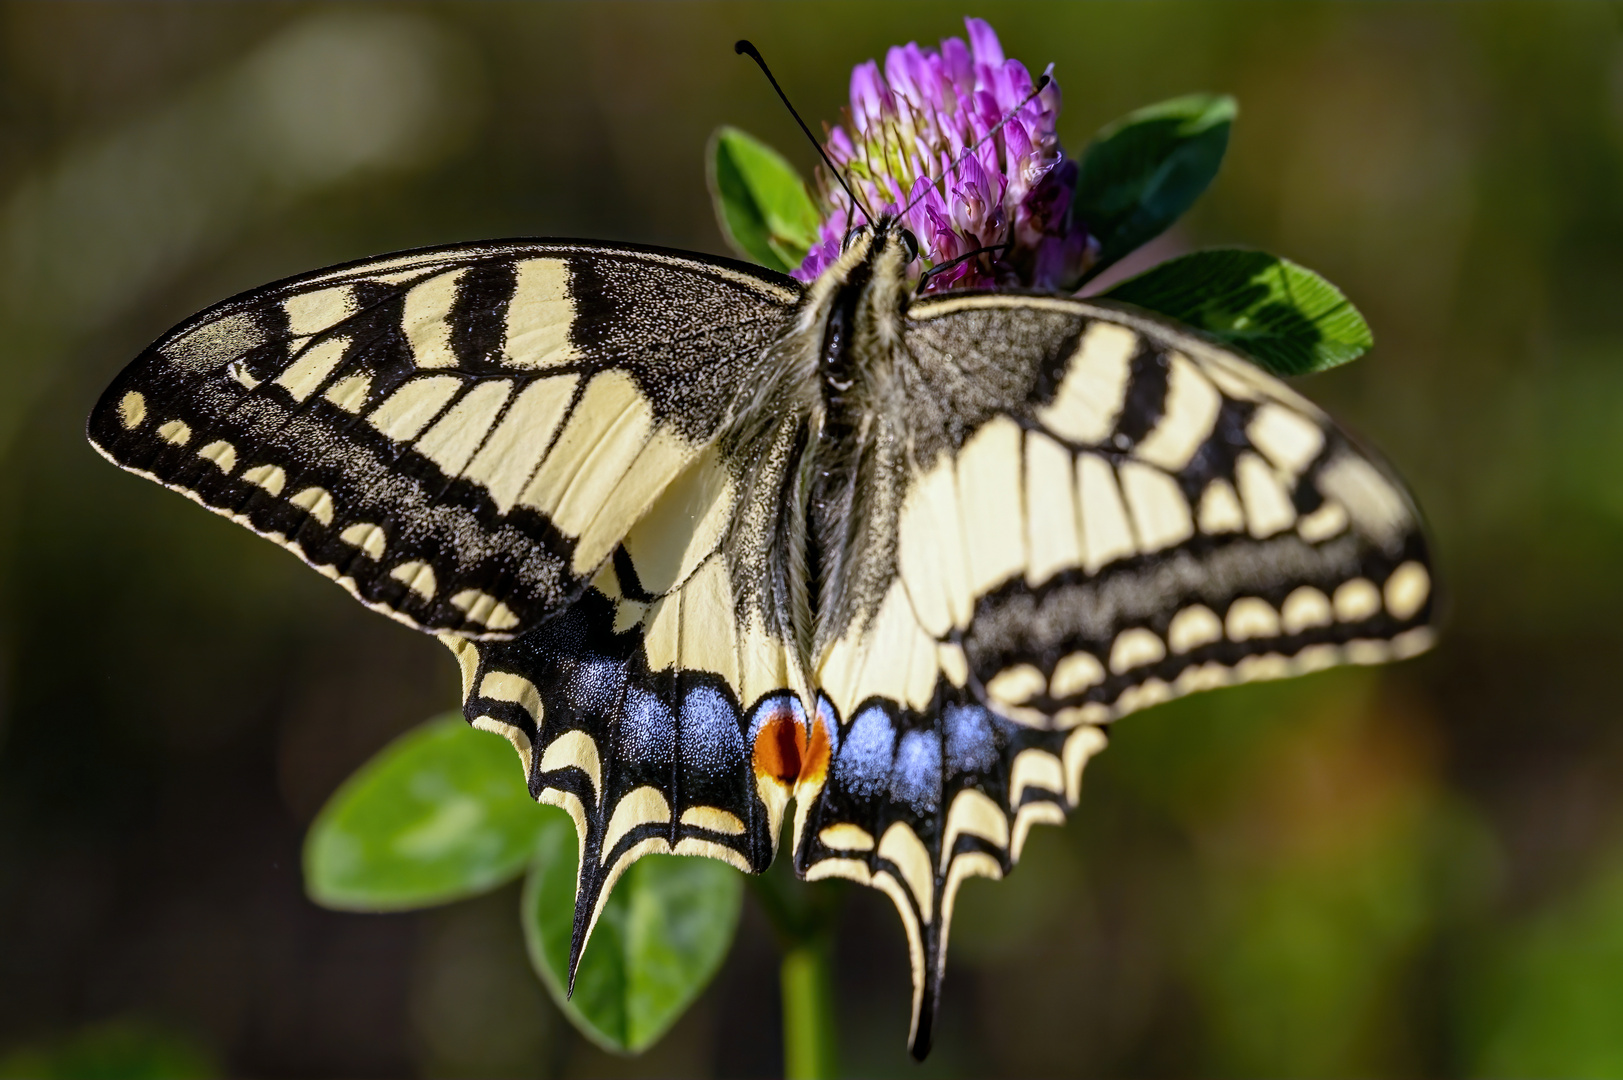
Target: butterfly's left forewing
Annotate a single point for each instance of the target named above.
(459, 436)
(1102, 512)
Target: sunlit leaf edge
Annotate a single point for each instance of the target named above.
(1245, 298)
(762, 205)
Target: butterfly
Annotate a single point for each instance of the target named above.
(707, 543)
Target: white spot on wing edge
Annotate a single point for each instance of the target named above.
(316, 502)
(1304, 609)
(902, 846)
(1075, 673)
(1135, 647)
(132, 409)
(366, 536)
(270, 477)
(1357, 600)
(221, 453)
(1082, 744)
(484, 609)
(1407, 590)
(417, 577)
(1251, 617)
(1038, 769)
(1193, 627)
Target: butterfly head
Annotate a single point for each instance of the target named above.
(887, 230)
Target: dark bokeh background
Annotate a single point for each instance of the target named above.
(1416, 870)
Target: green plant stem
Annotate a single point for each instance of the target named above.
(808, 1012)
(803, 915)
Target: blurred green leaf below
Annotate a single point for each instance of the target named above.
(662, 933)
(440, 814)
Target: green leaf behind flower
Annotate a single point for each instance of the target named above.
(1286, 317)
(1143, 171)
(439, 814)
(761, 203)
(664, 931)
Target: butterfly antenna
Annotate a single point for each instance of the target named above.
(1042, 84)
(744, 48)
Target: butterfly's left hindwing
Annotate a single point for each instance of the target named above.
(459, 436)
(1101, 512)
(653, 720)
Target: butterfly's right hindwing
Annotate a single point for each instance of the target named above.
(459, 436)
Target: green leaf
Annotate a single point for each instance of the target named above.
(761, 202)
(663, 932)
(1143, 171)
(1286, 317)
(439, 814)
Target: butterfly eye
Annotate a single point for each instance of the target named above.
(851, 237)
(911, 243)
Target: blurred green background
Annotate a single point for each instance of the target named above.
(1407, 871)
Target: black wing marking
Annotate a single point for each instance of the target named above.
(1103, 513)
(459, 436)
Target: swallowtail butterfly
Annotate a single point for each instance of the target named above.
(708, 543)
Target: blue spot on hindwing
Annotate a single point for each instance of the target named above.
(863, 766)
(647, 729)
(971, 742)
(915, 780)
(594, 687)
(831, 725)
(711, 741)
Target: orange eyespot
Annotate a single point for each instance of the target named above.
(814, 760)
(779, 746)
(786, 752)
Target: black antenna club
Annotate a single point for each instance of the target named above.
(744, 48)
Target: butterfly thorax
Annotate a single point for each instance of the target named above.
(855, 454)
